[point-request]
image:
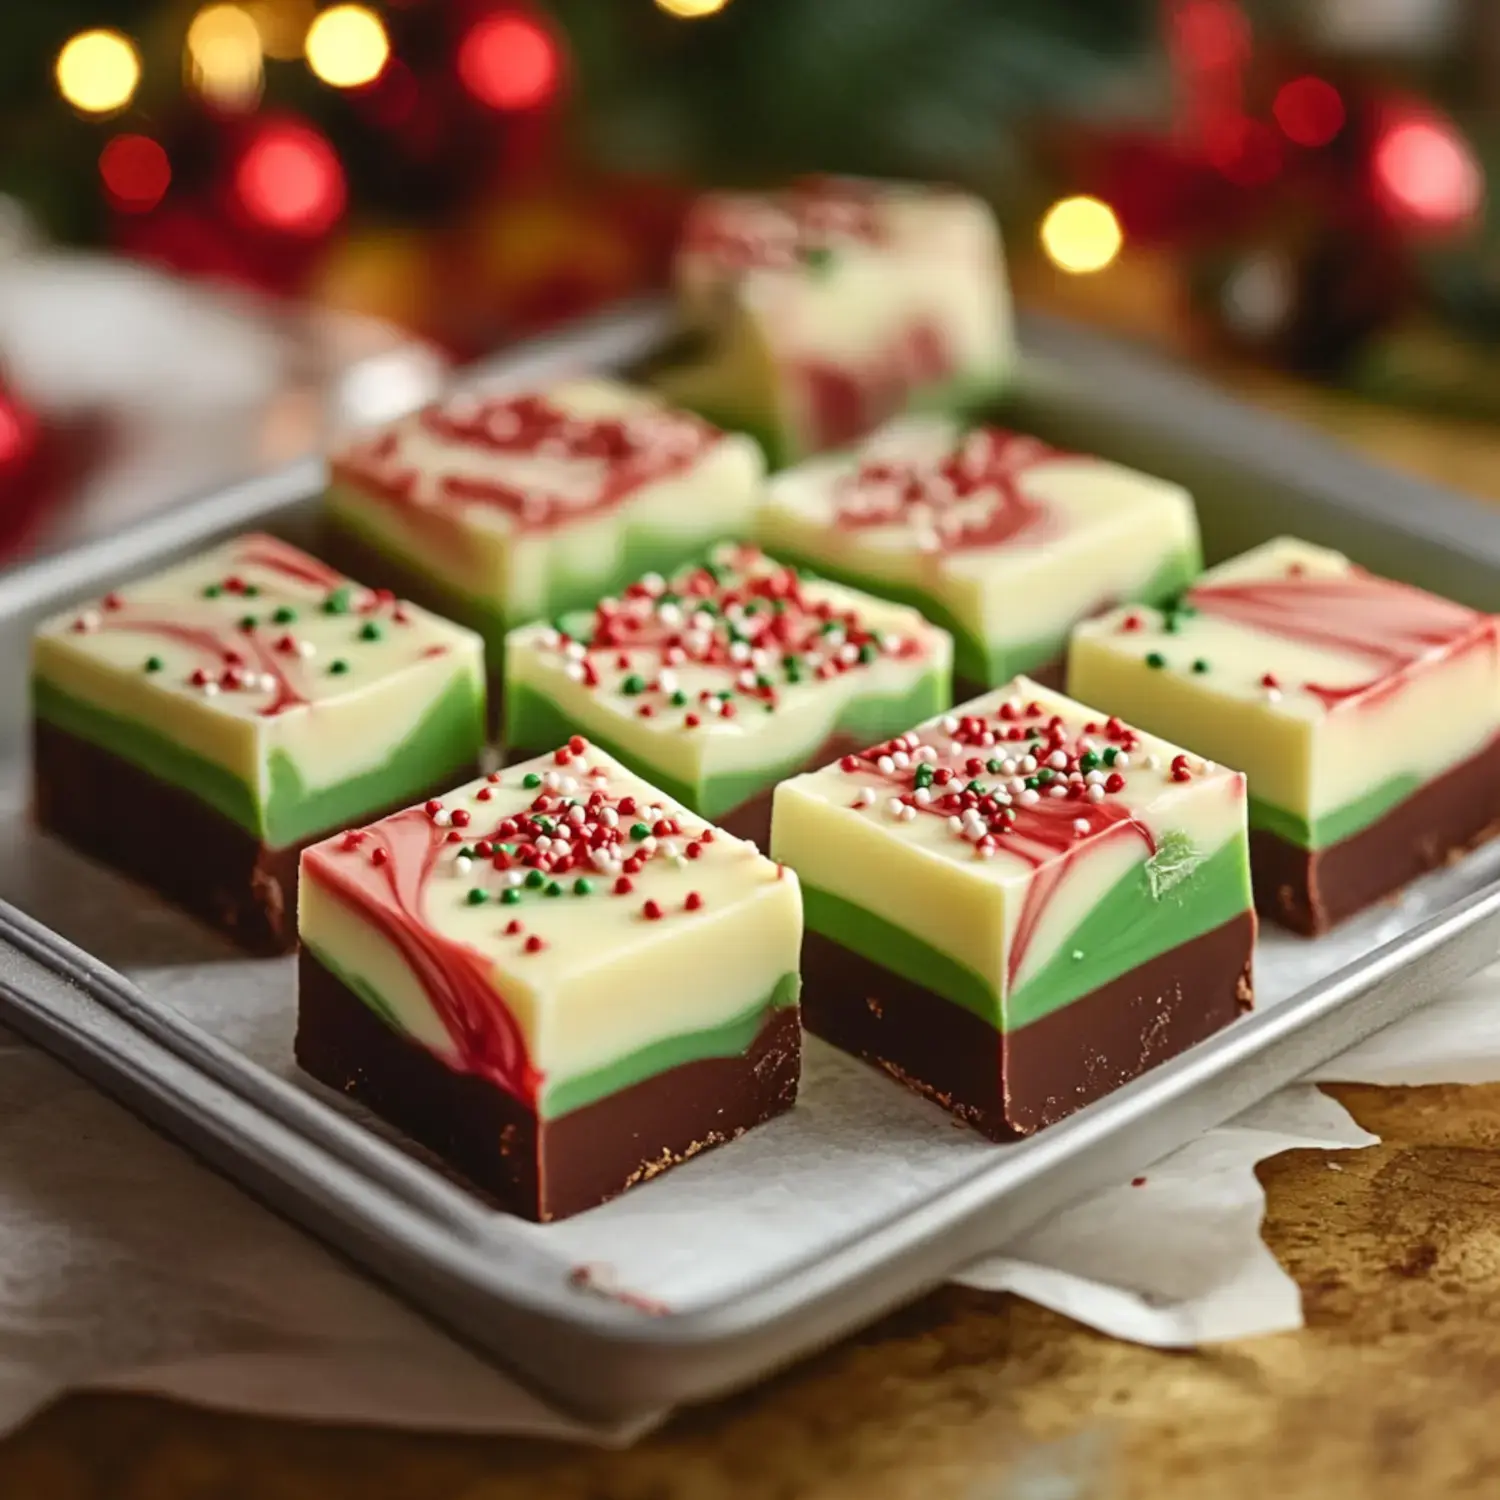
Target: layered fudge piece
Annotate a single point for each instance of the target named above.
(198, 728)
(1365, 713)
(1002, 540)
(1020, 906)
(728, 676)
(503, 509)
(831, 306)
(555, 977)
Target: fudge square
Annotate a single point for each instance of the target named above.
(1365, 713)
(497, 510)
(1002, 540)
(555, 977)
(734, 673)
(198, 728)
(1018, 907)
(838, 303)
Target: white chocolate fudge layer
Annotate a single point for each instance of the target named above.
(725, 677)
(1018, 853)
(269, 685)
(1004, 540)
(522, 505)
(837, 303)
(1338, 693)
(560, 928)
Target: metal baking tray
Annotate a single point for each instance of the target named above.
(494, 1281)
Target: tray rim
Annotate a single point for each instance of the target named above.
(724, 1343)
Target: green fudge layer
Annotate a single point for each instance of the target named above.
(732, 1038)
(1143, 915)
(534, 724)
(447, 739)
(976, 660)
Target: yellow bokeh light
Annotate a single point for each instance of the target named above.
(1081, 235)
(691, 10)
(347, 46)
(224, 58)
(98, 71)
(282, 25)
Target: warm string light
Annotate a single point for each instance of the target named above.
(223, 57)
(98, 72)
(135, 172)
(1426, 173)
(691, 10)
(347, 46)
(290, 179)
(1081, 235)
(508, 62)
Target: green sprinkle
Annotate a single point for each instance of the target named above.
(1155, 659)
(284, 614)
(583, 886)
(1032, 783)
(337, 603)
(762, 681)
(976, 787)
(818, 259)
(794, 674)
(1200, 665)
(923, 775)
(338, 666)
(639, 831)
(1043, 776)
(1171, 624)
(552, 889)
(546, 825)
(1088, 761)
(477, 896)
(535, 879)
(510, 895)
(213, 591)
(370, 631)
(868, 652)
(829, 626)
(632, 685)
(154, 664)
(507, 848)
(248, 622)
(679, 699)
(992, 766)
(725, 696)
(531, 781)
(1111, 756)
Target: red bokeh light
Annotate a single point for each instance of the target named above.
(1211, 34)
(1426, 172)
(508, 62)
(16, 432)
(135, 172)
(1246, 151)
(290, 179)
(1309, 111)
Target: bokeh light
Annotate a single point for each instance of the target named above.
(290, 179)
(1081, 235)
(347, 46)
(224, 58)
(691, 10)
(1309, 111)
(135, 172)
(508, 62)
(282, 25)
(98, 71)
(1427, 173)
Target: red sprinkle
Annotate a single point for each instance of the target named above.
(1180, 771)
(534, 944)
(1268, 680)
(512, 927)
(454, 836)
(432, 805)
(849, 763)
(562, 756)
(706, 837)
(461, 817)
(1131, 622)
(651, 911)
(693, 851)
(578, 744)
(1114, 782)
(483, 794)
(623, 886)
(691, 721)
(378, 856)
(693, 901)
(493, 777)
(112, 601)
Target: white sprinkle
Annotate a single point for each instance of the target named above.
(894, 808)
(927, 754)
(549, 639)
(463, 864)
(1122, 762)
(1094, 778)
(567, 784)
(1008, 766)
(515, 878)
(654, 814)
(740, 651)
(1029, 797)
(551, 780)
(575, 671)
(922, 796)
(306, 650)
(901, 760)
(1017, 785)
(987, 739)
(674, 656)
(1057, 789)
(885, 765)
(1080, 825)
(544, 841)
(908, 813)
(653, 583)
(1151, 763)
(890, 643)
(666, 680)
(670, 614)
(1096, 793)
(1057, 760)
(745, 681)
(1013, 704)
(866, 796)
(669, 848)
(950, 724)
(575, 651)
(442, 817)
(1027, 764)
(609, 817)
(576, 815)
(210, 688)
(1273, 695)
(984, 851)
(648, 845)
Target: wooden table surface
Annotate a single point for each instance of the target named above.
(973, 1396)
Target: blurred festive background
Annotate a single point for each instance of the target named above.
(1299, 183)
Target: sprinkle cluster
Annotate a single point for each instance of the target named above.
(1017, 779)
(968, 497)
(803, 226)
(751, 623)
(575, 839)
